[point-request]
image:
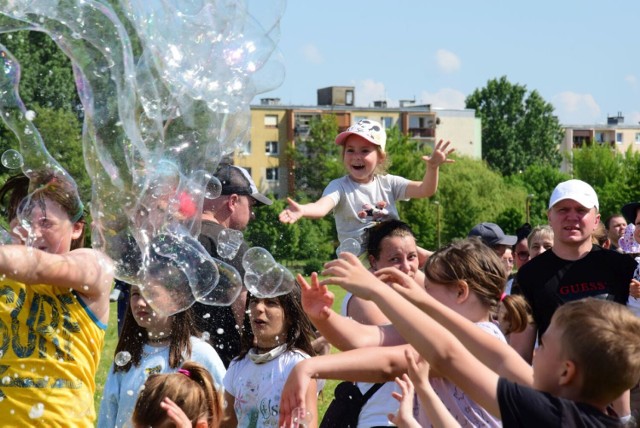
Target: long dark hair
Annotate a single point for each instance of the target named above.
(300, 331)
(133, 338)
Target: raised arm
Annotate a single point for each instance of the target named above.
(435, 343)
(342, 332)
(429, 184)
(492, 352)
(296, 211)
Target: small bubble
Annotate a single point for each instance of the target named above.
(12, 159)
(220, 331)
(206, 316)
(30, 115)
(36, 411)
(130, 393)
(122, 358)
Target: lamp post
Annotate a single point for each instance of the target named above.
(527, 207)
(438, 229)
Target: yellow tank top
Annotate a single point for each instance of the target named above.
(50, 345)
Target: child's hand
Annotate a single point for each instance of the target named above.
(634, 288)
(404, 416)
(175, 414)
(402, 283)
(316, 298)
(292, 213)
(418, 370)
(350, 274)
(293, 393)
(439, 155)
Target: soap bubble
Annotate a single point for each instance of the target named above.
(122, 358)
(227, 289)
(36, 411)
(30, 115)
(349, 245)
(12, 159)
(213, 189)
(258, 257)
(156, 123)
(264, 277)
(229, 242)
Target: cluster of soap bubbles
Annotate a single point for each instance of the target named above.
(349, 245)
(263, 276)
(156, 124)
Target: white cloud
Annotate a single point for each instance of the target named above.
(444, 98)
(312, 54)
(447, 61)
(631, 80)
(368, 91)
(576, 109)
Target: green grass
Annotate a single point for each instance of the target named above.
(111, 339)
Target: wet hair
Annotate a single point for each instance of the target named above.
(475, 263)
(544, 230)
(192, 389)
(603, 340)
(57, 187)
(133, 337)
(517, 314)
(390, 228)
(300, 332)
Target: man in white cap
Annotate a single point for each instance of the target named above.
(574, 268)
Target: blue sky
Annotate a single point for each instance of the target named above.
(582, 56)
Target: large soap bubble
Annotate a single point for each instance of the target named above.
(156, 123)
(264, 277)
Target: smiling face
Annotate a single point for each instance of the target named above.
(50, 228)
(399, 252)
(572, 223)
(268, 322)
(360, 158)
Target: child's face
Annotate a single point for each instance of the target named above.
(267, 322)
(360, 158)
(507, 260)
(443, 293)
(157, 326)
(51, 229)
(548, 360)
(539, 244)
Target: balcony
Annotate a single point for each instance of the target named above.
(421, 133)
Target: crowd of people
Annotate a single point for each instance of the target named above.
(539, 328)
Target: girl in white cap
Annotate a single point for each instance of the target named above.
(367, 194)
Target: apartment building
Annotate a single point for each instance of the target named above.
(275, 127)
(615, 133)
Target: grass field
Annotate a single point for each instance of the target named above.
(111, 339)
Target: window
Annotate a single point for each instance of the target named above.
(619, 137)
(271, 147)
(387, 122)
(246, 148)
(637, 137)
(271, 121)
(272, 174)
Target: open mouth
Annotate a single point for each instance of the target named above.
(357, 167)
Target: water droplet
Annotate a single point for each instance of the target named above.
(30, 115)
(36, 411)
(122, 358)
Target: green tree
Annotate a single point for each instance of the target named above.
(539, 180)
(518, 128)
(316, 158)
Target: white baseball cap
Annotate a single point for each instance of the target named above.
(368, 129)
(576, 190)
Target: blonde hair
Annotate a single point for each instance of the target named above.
(545, 230)
(599, 235)
(192, 388)
(603, 339)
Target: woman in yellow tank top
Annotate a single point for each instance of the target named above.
(54, 306)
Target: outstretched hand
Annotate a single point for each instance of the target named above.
(292, 213)
(634, 288)
(349, 273)
(404, 416)
(402, 283)
(293, 394)
(440, 155)
(316, 298)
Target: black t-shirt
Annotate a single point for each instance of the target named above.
(521, 406)
(548, 281)
(218, 321)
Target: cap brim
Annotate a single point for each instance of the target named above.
(262, 199)
(340, 139)
(630, 212)
(508, 240)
